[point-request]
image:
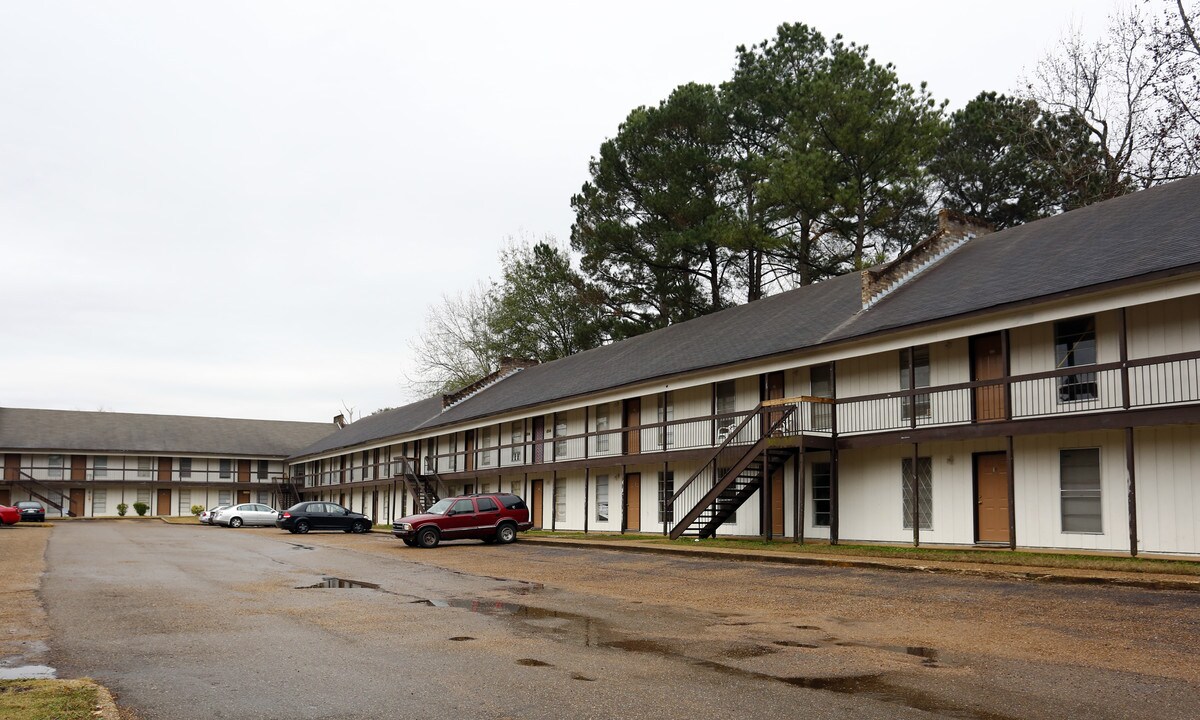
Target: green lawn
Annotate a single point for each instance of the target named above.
(47, 699)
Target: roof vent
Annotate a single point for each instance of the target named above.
(339, 420)
(953, 231)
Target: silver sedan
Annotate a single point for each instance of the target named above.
(206, 517)
(246, 514)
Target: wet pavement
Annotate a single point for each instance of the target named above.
(184, 621)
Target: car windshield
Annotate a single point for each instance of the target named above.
(440, 507)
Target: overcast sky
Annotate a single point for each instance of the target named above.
(244, 209)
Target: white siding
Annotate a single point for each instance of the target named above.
(1168, 488)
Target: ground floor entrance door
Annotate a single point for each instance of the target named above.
(633, 503)
(535, 503)
(243, 496)
(992, 501)
(77, 495)
(164, 502)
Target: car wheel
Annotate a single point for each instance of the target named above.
(409, 542)
(358, 527)
(292, 530)
(235, 522)
(506, 533)
(301, 526)
(428, 537)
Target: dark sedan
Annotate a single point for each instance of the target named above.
(314, 515)
(32, 511)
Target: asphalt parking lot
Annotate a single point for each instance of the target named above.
(186, 621)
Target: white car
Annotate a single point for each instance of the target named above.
(246, 514)
(206, 517)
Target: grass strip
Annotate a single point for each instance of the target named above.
(47, 699)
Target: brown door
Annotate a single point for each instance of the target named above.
(243, 496)
(470, 451)
(12, 467)
(633, 418)
(539, 433)
(777, 503)
(244, 472)
(633, 502)
(77, 496)
(774, 391)
(535, 503)
(78, 468)
(987, 363)
(164, 502)
(5, 496)
(164, 470)
(992, 501)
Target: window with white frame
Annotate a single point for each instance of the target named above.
(917, 370)
(666, 488)
(666, 413)
(822, 494)
(725, 394)
(560, 429)
(517, 452)
(820, 384)
(54, 467)
(99, 502)
(143, 495)
(601, 498)
(925, 488)
(602, 441)
(185, 502)
(185, 467)
(1075, 345)
(1079, 488)
(100, 466)
(264, 497)
(487, 446)
(560, 500)
(224, 497)
(145, 465)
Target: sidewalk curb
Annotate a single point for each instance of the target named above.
(1038, 575)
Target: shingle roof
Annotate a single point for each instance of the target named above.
(76, 431)
(1139, 234)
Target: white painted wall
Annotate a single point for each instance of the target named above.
(1167, 473)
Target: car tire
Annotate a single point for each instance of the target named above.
(358, 527)
(506, 533)
(292, 530)
(409, 542)
(235, 522)
(301, 526)
(428, 537)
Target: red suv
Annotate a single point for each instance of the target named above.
(490, 517)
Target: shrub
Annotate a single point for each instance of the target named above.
(197, 509)
(141, 508)
(122, 508)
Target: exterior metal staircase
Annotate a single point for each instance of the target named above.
(36, 489)
(287, 493)
(737, 469)
(423, 486)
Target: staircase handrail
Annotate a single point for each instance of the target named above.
(712, 457)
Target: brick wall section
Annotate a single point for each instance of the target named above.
(953, 228)
(508, 366)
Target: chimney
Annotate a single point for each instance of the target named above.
(339, 420)
(953, 230)
(508, 366)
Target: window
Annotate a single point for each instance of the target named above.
(185, 502)
(726, 402)
(486, 504)
(226, 469)
(560, 500)
(602, 442)
(463, 506)
(925, 477)
(602, 498)
(512, 501)
(100, 467)
(54, 470)
(99, 502)
(263, 467)
(666, 413)
(516, 454)
(920, 365)
(560, 429)
(1079, 485)
(224, 497)
(143, 496)
(1074, 345)
(145, 465)
(821, 385)
(666, 488)
(822, 494)
(264, 497)
(487, 443)
(185, 467)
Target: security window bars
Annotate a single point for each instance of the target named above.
(925, 477)
(821, 494)
(601, 498)
(560, 500)
(1075, 345)
(1079, 485)
(919, 368)
(666, 488)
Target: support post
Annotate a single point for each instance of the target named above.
(1123, 345)
(916, 491)
(833, 458)
(663, 497)
(587, 477)
(798, 500)
(1012, 493)
(1132, 482)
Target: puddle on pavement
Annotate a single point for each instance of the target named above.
(531, 662)
(335, 583)
(28, 672)
(875, 687)
(298, 546)
(793, 643)
(461, 638)
(645, 646)
(752, 651)
(584, 678)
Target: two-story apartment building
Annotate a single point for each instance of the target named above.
(85, 464)
(1034, 387)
